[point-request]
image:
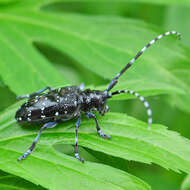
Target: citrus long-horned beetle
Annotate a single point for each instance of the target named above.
(69, 102)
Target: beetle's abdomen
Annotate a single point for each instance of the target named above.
(59, 104)
(35, 113)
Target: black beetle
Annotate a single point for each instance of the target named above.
(69, 102)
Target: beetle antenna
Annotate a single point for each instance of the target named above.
(115, 79)
(141, 98)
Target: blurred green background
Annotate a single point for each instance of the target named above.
(167, 17)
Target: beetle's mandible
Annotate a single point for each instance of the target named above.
(69, 102)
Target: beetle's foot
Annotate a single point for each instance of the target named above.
(79, 158)
(103, 135)
(24, 155)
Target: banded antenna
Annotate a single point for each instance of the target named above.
(115, 79)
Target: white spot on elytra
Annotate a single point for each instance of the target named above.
(28, 119)
(43, 108)
(20, 118)
(57, 113)
(43, 103)
(92, 95)
(43, 116)
(46, 98)
(65, 112)
(36, 100)
(75, 102)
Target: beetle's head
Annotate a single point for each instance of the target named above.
(96, 101)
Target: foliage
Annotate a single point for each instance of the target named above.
(34, 37)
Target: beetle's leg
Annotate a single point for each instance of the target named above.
(76, 140)
(47, 125)
(91, 115)
(34, 94)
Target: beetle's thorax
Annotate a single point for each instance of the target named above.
(94, 100)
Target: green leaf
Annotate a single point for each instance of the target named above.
(10, 182)
(25, 65)
(173, 18)
(102, 45)
(52, 169)
(131, 140)
(164, 2)
(186, 183)
(162, 69)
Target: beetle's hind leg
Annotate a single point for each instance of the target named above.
(35, 93)
(76, 141)
(91, 115)
(29, 151)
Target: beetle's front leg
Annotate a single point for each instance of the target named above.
(91, 115)
(76, 140)
(34, 94)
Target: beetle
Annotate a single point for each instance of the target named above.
(70, 102)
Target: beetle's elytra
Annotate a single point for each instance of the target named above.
(69, 102)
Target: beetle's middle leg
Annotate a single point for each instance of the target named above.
(76, 140)
(91, 115)
(29, 151)
(34, 94)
